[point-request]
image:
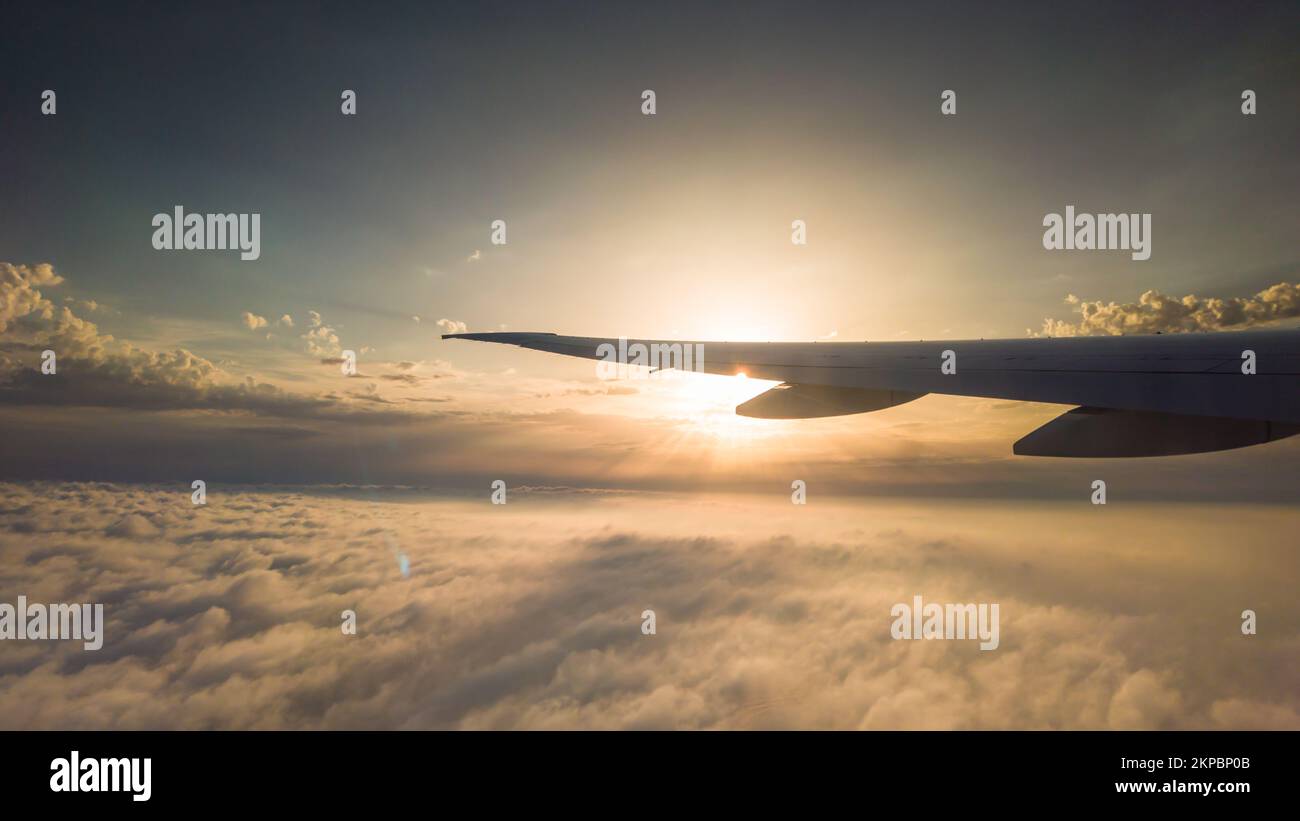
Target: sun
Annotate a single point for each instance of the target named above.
(707, 403)
(712, 392)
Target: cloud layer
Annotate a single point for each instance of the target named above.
(529, 615)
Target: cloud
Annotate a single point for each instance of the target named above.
(94, 369)
(452, 326)
(405, 378)
(610, 390)
(1144, 702)
(1155, 311)
(318, 339)
(89, 305)
(20, 296)
(30, 321)
(529, 615)
(321, 340)
(133, 526)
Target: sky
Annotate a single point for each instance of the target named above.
(376, 237)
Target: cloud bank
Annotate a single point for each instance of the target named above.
(529, 615)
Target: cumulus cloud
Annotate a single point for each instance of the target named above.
(322, 341)
(452, 326)
(20, 294)
(28, 320)
(88, 305)
(318, 339)
(97, 370)
(228, 616)
(1155, 311)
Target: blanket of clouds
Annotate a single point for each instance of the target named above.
(529, 614)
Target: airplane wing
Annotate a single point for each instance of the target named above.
(1157, 395)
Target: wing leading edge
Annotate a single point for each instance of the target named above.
(1182, 393)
